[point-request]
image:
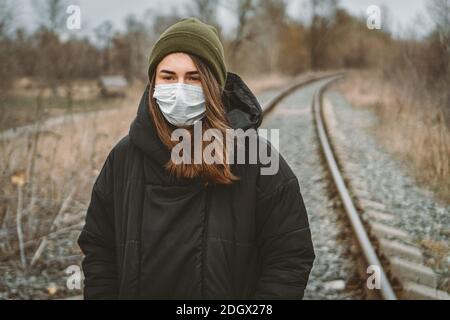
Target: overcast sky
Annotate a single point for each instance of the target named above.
(403, 13)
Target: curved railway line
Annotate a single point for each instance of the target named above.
(388, 252)
(359, 230)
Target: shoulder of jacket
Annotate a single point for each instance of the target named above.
(122, 145)
(119, 155)
(274, 174)
(122, 149)
(125, 157)
(116, 167)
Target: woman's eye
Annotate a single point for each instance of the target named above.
(167, 78)
(194, 79)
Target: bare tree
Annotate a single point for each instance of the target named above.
(104, 34)
(440, 12)
(7, 57)
(50, 19)
(271, 17)
(205, 10)
(322, 12)
(243, 10)
(51, 14)
(138, 39)
(6, 17)
(162, 21)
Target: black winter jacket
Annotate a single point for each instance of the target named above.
(149, 236)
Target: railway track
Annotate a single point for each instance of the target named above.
(358, 228)
(389, 254)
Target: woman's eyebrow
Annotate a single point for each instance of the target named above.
(167, 71)
(195, 72)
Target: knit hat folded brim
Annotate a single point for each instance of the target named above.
(192, 36)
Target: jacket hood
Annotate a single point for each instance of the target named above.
(242, 108)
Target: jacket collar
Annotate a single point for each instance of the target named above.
(242, 107)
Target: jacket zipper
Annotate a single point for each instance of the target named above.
(205, 241)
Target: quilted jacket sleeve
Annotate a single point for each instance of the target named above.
(97, 239)
(284, 237)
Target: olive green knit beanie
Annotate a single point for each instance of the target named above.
(192, 36)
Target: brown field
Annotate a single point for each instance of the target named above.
(412, 126)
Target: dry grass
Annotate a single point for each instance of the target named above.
(412, 125)
(45, 185)
(262, 83)
(26, 102)
(46, 178)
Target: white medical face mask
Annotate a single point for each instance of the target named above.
(181, 104)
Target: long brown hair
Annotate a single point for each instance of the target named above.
(215, 118)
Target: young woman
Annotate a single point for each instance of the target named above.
(156, 229)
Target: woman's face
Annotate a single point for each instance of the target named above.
(177, 67)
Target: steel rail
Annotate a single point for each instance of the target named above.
(358, 228)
